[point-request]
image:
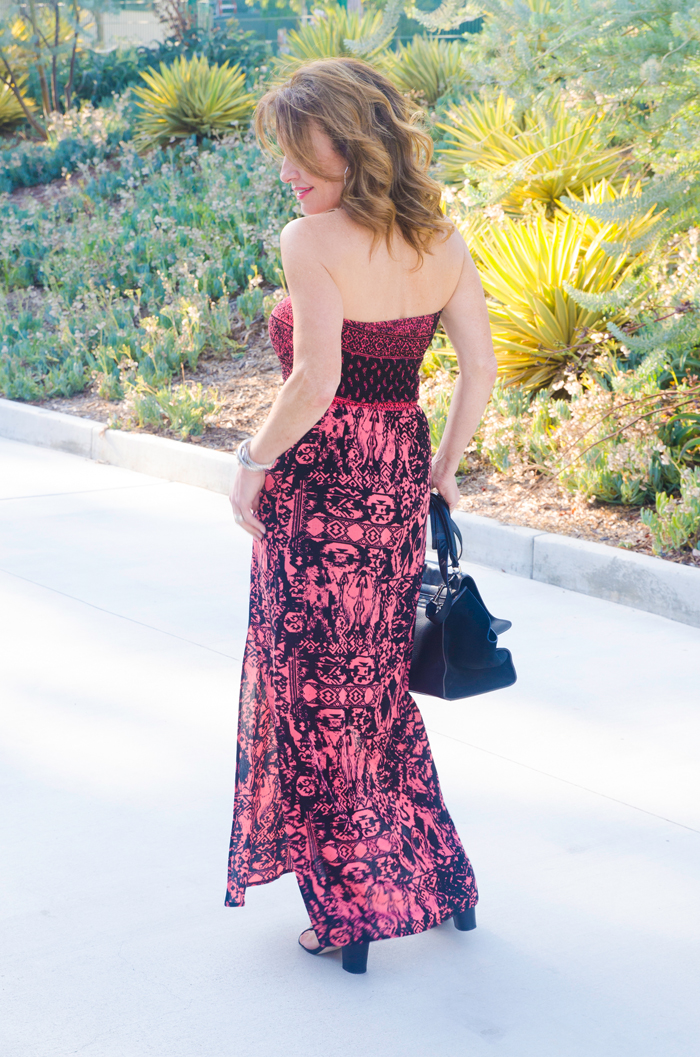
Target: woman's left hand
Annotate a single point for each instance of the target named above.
(446, 485)
(245, 499)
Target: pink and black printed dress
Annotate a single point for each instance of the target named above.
(335, 780)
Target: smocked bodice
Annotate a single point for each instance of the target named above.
(380, 360)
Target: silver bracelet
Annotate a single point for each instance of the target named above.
(247, 462)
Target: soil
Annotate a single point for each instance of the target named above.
(248, 385)
(537, 503)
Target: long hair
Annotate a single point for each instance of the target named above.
(369, 123)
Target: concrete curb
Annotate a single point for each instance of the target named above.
(142, 452)
(635, 580)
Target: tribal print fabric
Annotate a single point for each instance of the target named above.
(335, 779)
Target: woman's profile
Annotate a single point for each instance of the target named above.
(335, 779)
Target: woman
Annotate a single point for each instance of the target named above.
(335, 779)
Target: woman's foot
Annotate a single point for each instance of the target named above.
(308, 941)
(354, 954)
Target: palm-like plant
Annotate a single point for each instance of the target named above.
(532, 272)
(190, 97)
(325, 37)
(426, 67)
(540, 157)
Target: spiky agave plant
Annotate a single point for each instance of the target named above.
(542, 156)
(550, 280)
(426, 67)
(325, 37)
(191, 97)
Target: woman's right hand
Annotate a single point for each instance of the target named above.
(245, 499)
(446, 485)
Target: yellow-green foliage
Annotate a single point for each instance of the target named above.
(34, 39)
(190, 97)
(426, 67)
(325, 35)
(34, 34)
(11, 112)
(541, 155)
(525, 268)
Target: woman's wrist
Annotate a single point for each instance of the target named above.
(444, 467)
(247, 460)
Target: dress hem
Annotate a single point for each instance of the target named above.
(367, 934)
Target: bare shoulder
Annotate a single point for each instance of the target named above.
(313, 290)
(468, 293)
(308, 232)
(451, 250)
(295, 234)
(444, 266)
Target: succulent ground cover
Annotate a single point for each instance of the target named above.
(139, 268)
(241, 388)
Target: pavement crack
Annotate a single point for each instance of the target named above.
(121, 616)
(558, 778)
(82, 491)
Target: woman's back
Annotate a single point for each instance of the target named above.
(376, 284)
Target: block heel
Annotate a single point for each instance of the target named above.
(355, 957)
(465, 920)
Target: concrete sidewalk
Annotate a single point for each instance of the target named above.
(575, 792)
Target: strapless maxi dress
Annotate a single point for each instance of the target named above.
(335, 779)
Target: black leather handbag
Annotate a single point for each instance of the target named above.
(455, 647)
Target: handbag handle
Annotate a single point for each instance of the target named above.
(447, 540)
(446, 537)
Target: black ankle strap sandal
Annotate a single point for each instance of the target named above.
(354, 954)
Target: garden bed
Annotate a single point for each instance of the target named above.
(247, 387)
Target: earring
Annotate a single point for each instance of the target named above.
(345, 176)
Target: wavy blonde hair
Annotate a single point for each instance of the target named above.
(370, 124)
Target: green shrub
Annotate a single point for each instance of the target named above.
(325, 35)
(99, 75)
(437, 411)
(79, 137)
(614, 435)
(132, 274)
(676, 522)
(440, 357)
(426, 68)
(191, 98)
(547, 282)
(249, 304)
(270, 301)
(11, 112)
(438, 372)
(181, 408)
(547, 153)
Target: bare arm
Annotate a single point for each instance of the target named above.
(310, 388)
(465, 319)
